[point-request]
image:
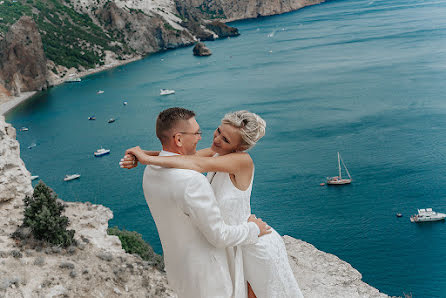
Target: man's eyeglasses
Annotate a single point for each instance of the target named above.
(198, 133)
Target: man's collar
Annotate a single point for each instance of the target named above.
(167, 153)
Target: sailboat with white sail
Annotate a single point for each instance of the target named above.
(338, 180)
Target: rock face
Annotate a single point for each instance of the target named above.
(144, 32)
(321, 274)
(14, 178)
(98, 267)
(222, 30)
(231, 10)
(22, 60)
(201, 50)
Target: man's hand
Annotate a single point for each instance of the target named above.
(264, 228)
(128, 162)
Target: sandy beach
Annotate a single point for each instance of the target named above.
(14, 101)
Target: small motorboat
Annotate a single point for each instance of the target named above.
(92, 118)
(111, 120)
(71, 177)
(32, 146)
(399, 215)
(125, 103)
(166, 91)
(101, 152)
(100, 92)
(427, 215)
(34, 177)
(24, 129)
(322, 184)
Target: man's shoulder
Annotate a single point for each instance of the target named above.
(173, 173)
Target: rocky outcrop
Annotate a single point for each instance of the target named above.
(14, 178)
(201, 50)
(22, 60)
(143, 32)
(231, 10)
(321, 274)
(98, 267)
(222, 30)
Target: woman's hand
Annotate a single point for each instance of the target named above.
(128, 162)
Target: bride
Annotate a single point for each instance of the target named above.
(230, 169)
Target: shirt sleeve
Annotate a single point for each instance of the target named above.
(200, 204)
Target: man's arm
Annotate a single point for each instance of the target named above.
(200, 204)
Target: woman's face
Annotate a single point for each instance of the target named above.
(227, 139)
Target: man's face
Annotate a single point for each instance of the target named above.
(190, 135)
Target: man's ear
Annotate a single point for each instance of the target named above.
(178, 140)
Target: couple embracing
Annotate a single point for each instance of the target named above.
(212, 245)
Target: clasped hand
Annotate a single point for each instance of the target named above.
(131, 158)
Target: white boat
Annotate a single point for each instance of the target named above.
(101, 152)
(71, 177)
(166, 91)
(24, 129)
(338, 180)
(34, 177)
(32, 146)
(100, 92)
(73, 80)
(111, 120)
(427, 215)
(125, 103)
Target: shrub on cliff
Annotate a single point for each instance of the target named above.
(43, 216)
(133, 243)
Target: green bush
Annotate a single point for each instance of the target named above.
(133, 243)
(43, 215)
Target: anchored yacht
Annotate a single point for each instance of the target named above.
(166, 91)
(101, 152)
(71, 177)
(338, 180)
(427, 215)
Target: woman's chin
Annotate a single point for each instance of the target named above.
(215, 149)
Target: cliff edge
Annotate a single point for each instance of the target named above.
(99, 267)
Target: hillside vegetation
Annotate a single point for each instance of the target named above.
(69, 38)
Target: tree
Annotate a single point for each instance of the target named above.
(43, 215)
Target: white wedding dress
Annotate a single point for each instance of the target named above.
(264, 264)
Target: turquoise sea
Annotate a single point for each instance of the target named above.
(363, 77)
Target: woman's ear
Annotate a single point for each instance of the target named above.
(242, 148)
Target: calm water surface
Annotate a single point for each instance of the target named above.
(366, 78)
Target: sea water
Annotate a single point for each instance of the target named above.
(364, 78)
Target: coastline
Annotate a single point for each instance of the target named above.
(13, 101)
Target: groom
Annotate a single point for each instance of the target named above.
(190, 226)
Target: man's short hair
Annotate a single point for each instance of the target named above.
(168, 118)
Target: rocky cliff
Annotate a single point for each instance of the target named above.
(57, 38)
(98, 267)
(22, 59)
(231, 10)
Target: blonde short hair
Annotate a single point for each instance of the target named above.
(251, 126)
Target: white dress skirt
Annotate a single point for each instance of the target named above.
(264, 264)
